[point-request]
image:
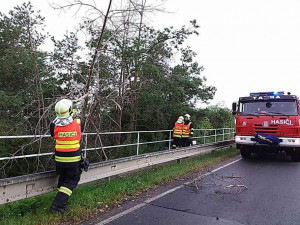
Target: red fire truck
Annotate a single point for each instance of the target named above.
(264, 117)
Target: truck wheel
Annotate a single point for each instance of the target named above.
(295, 156)
(245, 153)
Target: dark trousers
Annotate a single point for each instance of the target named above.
(186, 142)
(69, 176)
(176, 142)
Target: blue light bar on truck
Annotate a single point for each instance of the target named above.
(267, 93)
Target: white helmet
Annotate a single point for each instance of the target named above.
(188, 116)
(180, 119)
(63, 108)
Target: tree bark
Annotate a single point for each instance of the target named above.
(132, 122)
(88, 83)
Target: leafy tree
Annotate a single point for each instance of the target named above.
(135, 82)
(166, 91)
(22, 69)
(68, 65)
(220, 116)
(26, 85)
(205, 124)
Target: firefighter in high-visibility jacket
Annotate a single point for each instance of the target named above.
(187, 131)
(66, 130)
(177, 133)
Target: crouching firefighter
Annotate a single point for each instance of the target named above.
(66, 130)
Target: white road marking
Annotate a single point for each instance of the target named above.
(228, 164)
(117, 216)
(163, 194)
(108, 220)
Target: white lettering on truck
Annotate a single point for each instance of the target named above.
(287, 122)
(268, 97)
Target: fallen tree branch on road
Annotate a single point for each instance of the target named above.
(232, 182)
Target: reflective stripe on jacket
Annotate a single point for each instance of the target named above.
(177, 130)
(67, 159)
(68, 137)
(186, 131)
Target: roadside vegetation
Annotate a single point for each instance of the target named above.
(88, 200)
(127, 76)
(141, 78)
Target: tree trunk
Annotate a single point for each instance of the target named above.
(132, 122)
(88, 83)
(42, 121)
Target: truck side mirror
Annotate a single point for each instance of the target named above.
(234, 108)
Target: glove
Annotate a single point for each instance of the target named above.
(72, 113)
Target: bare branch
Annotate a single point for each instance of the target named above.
(94, 60)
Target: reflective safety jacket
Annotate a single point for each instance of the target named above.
(68, 142)
(187, 130)
(177, 130)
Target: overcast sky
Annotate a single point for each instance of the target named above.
(244, 46)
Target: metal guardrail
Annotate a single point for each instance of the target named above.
(221, 132)
(16, 188)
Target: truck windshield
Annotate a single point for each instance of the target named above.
(288, 108)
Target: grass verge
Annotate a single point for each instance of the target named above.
(90, 199)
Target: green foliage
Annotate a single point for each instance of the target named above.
(220, 117)
(212, 117)
(67, 63)
(166, 91)
(136, 84)
(22, 66)
(205, 123)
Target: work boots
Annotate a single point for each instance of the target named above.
(56, 209)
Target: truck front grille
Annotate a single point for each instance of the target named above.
(272, 129)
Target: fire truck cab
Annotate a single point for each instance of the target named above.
(266, 116)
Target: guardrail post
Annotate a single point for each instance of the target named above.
(170, 139)
(215, 135)
(85, 145)
(204, 137)
(85, 141)
(223, 134)
(138, 143)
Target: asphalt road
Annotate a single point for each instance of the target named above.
(272, 197)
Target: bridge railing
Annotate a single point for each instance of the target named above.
(140, 142)
(208, 136)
